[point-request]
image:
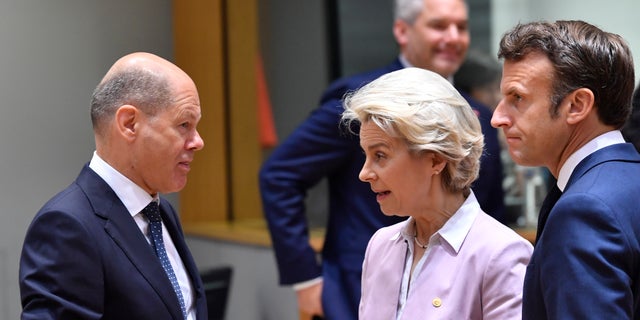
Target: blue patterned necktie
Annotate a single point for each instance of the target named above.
(152, 211)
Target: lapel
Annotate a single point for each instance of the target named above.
(398, 255)
(617, 152)
(391, 256)
(120, 226)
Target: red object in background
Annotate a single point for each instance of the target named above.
(267, 130)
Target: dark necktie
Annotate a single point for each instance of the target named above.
(548, 203)
(152, 212)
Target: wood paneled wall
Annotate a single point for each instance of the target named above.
(216, 43)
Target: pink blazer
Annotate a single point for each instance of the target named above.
(480, 277)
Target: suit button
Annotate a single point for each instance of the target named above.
(436, 302)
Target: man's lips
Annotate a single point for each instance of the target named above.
(185, 164)
(380, 195)
(512, 139)
(450, 55)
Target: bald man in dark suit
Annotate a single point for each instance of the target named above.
(89, 252)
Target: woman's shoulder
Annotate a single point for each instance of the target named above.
(500, 234)
(389, 233)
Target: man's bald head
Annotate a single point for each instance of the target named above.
(140, 79)
(143, 60)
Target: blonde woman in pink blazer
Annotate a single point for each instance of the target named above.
(449, 259)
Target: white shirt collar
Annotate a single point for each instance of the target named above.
(455, 230)
(132, 196)
(404, 62)
(599, 142)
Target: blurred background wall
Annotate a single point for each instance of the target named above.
(53, 54)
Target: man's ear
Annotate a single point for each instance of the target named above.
(580, 105)
(127, 118)
(400, 32)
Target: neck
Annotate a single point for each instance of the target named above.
(430, 222)
(420, 244)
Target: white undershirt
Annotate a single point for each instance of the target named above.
(135, 199)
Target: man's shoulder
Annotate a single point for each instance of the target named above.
(370, 75)
(76, 197)
(66, 197)
(480, 108)
(610, 160)
(355, 81)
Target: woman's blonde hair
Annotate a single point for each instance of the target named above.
(426, 111)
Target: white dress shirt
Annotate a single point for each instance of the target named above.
(135, 199)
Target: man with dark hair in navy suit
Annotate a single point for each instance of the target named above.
(89, 253)
(567, 89)
(431, 34)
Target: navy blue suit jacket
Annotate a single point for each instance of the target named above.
(84, 257)
(488, 187)
(320, 148)
(586, 262)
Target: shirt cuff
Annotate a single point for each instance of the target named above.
(306, 284)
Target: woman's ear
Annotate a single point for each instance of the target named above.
(438, 163)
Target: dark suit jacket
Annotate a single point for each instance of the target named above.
(84, 257)
(488, 187)
(586, 262)
(320, 148)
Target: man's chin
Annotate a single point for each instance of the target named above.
(447, 70)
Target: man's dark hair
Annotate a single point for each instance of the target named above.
(583, 56)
